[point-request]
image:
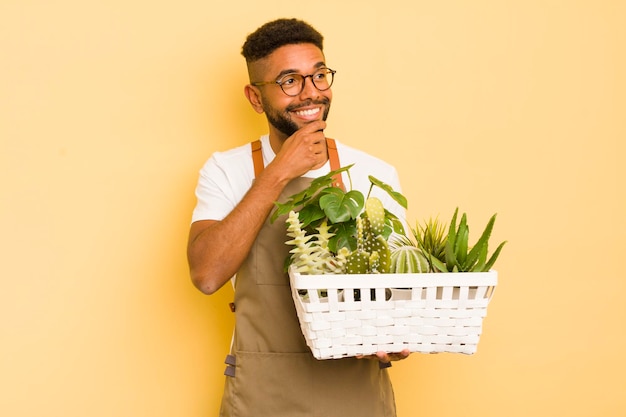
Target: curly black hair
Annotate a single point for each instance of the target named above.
(272, 35)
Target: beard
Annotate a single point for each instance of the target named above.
(282, 121)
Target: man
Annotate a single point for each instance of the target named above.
(271, 372)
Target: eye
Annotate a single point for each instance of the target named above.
(320, 75)
(288, 80)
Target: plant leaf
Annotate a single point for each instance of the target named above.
(436, 265)
(493, 258)
(310, 214)
(344, 237)
(461, 244)
(483, 240)
(398, 197)
(451, 242)
(480, 264)
(303, 197)
(339, 206)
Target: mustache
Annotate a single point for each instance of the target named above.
(321, 102)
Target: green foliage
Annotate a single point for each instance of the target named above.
(340, 206)
(337, 231)
(430, 238)
(445, 252)
(323, 202)
(459, 257)
(399, 198)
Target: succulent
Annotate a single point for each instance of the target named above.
(310, 254)
(459, 256)
(406, 257)
(431, 249)
(358, 260)
(431, 238)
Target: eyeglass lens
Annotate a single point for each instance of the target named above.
(293, 84)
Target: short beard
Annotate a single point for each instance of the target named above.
(282, 120)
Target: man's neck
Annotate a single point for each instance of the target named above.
(276, 141)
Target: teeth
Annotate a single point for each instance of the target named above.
(308, 112)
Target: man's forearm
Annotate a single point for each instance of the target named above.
(216, 249)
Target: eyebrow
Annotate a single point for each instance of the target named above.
(295, 71)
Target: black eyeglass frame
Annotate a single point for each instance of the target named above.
(280, 81)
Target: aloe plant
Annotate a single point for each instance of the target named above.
(459, 256)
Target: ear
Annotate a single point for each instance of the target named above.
(254, 97)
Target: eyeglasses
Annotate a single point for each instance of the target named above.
(293, 84)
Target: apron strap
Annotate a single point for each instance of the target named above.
(333, 156)
(257, 157)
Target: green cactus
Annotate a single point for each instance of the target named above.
(359, 260)
(375, 213)
(408, 259)
(379, 246)
(372, 255)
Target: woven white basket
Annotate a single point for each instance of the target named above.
(436, 312)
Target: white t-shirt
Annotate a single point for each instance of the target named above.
(227, 176)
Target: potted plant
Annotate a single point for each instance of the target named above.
(349, 251)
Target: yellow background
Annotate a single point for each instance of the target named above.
(109, 108)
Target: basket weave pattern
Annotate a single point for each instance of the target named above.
(350, 315)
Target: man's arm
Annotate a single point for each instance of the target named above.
(216, 249)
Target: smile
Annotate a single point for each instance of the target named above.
(308, 112)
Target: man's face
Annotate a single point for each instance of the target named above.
(287, 114)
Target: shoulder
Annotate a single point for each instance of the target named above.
(239, 157)
(231, 156)
(224, 179)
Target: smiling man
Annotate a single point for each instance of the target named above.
(270, 371)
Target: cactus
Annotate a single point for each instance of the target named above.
(408, 259)
(374, 240)
(359, 260)
(375, 213)
(378, 244)
(372, 255)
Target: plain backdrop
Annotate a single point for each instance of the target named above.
(109, 108)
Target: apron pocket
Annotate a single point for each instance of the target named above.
(298, 385)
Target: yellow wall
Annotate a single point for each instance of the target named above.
(109, 108)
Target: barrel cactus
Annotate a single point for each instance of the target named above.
(408, 259)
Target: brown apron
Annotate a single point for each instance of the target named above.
(272, 372)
